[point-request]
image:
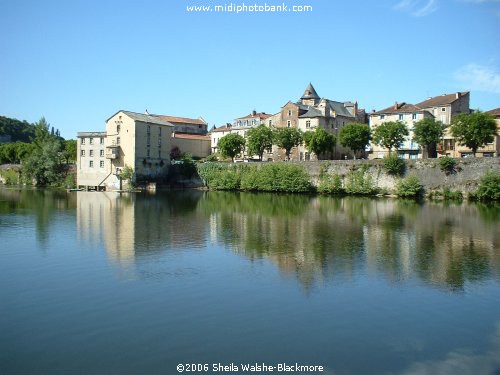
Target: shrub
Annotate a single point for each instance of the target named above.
(10, 176)
(358, 182)
(489, 188)
(394, 165)
(447, 164)
(270, 177)
(409, 187)
(330, 184)
(446, 194)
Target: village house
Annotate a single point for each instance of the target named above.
(442, 108)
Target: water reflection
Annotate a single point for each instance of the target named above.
(321, 238)
(44, 205)
(315, 239)
(135, 225)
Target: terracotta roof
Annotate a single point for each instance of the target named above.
(494, 112)
(399, 108)
(442, 99)
(223, 128)
(191, 136)
(186, 120)
(260, 115)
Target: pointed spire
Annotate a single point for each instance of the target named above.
(310, 93)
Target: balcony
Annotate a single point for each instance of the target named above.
(112, 152)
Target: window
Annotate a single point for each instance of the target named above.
(159, 154)
(414, 116)
(148, 140)
(148, 152)
(149, 129)
(443, 109)
(101, 164)
(101, 140)
(159, 131)
(288, 123)
(382, 117)
(82, 153)
(118, 128)
(270, 123)
(308, 124)
(83, 141)
(101, 153)
(289, 112)
(117, 140)
(159, 142)
(401, 116)
(91, 164)
(91, 153)
(91, 140)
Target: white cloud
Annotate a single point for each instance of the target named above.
(462, 362)
(481, 1)
(417, 8)
(479, 77)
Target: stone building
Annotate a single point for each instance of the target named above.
(407, 113)
(140, 141)
(442, 108)
(92, 165)
(311, 112)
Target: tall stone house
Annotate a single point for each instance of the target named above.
(142, 141)
(442, 108)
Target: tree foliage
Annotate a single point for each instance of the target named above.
(319, 141)
(427, 133)
(231, 145)
(355, 136)
(287, 138)
(474, 130)
(259, 139)
(43, 164)
(69, 151)
(18, 131)
(390, 134)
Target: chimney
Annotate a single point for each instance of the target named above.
(396, 105)
(458, 95)
(254, 112)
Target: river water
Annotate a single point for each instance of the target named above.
(137, 284)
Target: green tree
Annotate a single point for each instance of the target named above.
(427, 133)
(319, 141)
(259, 139)
(474, 130)
(42, 164)
(231, 145)
(356, 136)
(69, 151)
(287, 138)
(390, 134)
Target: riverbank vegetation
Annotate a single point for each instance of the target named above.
(45, 157)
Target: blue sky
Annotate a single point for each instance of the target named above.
(78, 62)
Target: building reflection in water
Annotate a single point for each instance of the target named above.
(315, 239)
(139, 225)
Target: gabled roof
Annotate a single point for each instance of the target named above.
(339, 108)
(494, 112)
(186, 120)
(312, 112)
(400, 108)
(260, 115)
(444, 99)
(310, 93)
(150, 119)
(223, 128)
